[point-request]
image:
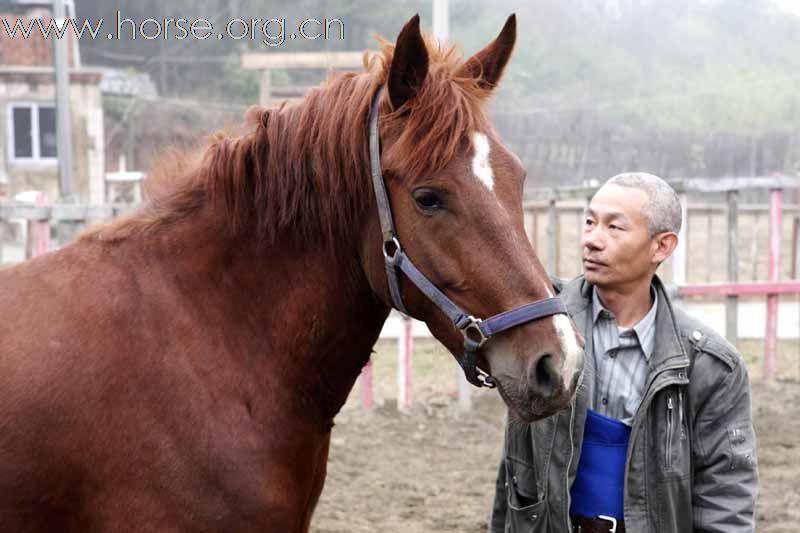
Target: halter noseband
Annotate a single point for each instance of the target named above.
(475, 331)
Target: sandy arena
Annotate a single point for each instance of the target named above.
(433, 469)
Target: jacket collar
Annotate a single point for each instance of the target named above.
(577, 296)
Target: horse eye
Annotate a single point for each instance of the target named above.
(428, 200)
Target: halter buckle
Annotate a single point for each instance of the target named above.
(472, 331)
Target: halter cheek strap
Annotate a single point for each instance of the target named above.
(475, 331)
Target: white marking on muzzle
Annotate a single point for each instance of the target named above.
(570, 348)
(480, 162)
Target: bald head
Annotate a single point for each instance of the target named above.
(663, 207)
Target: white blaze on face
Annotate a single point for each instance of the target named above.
(569, 345)
(480, 161)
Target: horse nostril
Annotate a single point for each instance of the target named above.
(544, 376)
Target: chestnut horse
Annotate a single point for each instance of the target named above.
(179, 369)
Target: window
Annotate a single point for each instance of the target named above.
(32, 132)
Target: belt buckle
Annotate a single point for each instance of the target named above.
(609, 519)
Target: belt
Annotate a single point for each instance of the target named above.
(600, 524)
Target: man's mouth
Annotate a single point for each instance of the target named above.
(592, 263)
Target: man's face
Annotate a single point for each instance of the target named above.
(617, 247)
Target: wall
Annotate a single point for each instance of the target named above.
(37, 85)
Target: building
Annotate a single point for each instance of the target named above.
(28, 147)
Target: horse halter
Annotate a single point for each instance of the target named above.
(475, 331)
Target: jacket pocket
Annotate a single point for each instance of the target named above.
(672, 443)
(673, 504)
(526, 512)
(668, 445)
(742, 443)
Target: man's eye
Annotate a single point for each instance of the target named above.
(589, 221)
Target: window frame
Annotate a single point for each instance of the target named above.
(36, 158)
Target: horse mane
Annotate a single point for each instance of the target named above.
(303, 169)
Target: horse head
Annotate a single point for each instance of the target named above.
(455, 194)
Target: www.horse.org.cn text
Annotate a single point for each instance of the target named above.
(270, 31)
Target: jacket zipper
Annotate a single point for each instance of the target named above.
(651, 390)
(569, 461)
(680, 414)
(669, 431)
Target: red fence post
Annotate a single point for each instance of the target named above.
(38, 232)
(771, 336)
(795, 251)
(366, 386)
(732, 302)
(405, 350)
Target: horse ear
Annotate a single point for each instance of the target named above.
(409, 64)
(487, 65)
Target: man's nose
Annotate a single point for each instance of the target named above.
(592, 239)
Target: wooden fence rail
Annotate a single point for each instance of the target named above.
(732, 287)
(39, 216)
(62, 212)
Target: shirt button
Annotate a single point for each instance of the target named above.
(605, 401)
(612, 354)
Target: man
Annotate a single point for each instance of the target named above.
(659, 437)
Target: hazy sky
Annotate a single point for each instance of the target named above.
(793, 6)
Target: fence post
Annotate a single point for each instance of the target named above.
(38, 233)
(405, 349)
(464, 391)
(771, 341)
(366, 386)
(529, 221)
(552, 237)
(679, 256)
(581, 227)
(795, 247)
(732, 302)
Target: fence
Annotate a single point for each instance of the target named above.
(554, 205)
(545, 202)
(37, 218)
(696, 258)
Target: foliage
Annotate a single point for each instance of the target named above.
(702, 67)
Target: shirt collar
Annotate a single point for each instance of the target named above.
(644, 329)
(598, 308)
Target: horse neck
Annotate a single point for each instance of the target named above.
(327, 320)
(302, 320)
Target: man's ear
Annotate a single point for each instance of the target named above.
(665, 243)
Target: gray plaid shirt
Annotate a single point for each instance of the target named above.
(621, 357)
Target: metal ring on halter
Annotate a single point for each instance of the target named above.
(396, 243)
(473, 325)
(485, 378)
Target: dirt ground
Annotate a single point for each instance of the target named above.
(434, 469)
